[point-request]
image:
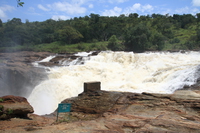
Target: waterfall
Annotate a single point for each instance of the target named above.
(158, 72)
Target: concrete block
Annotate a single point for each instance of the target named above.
(92, 86)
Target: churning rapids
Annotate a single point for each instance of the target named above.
(117, 71)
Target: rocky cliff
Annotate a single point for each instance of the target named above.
(17, 74)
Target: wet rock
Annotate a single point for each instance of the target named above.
(95, 53)
(49, 64)
(61, 58)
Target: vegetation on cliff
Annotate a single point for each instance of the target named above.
(95, 32)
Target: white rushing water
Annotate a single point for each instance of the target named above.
(36, 64)
(117, 71)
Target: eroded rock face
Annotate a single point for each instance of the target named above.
(14, 106)
(17, 74)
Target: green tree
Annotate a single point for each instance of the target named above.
(158, 40)
(1, 33)
(198, 35)
(1, 23)
(133, 15)
(20, 3)
(12, 32)
(94, 18)
(69, 35)
(113, 43)
(163, 25)
(136, 39)
(187, 19)
(47, 31)
(198, 17)
(83, 27)
(157, 15)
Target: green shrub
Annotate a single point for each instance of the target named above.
(1, 108)
(9, 111)
(1, 100)
(175, 40)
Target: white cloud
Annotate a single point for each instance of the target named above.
(60, 17)
(141, 8)
(2, 14)
(196, 2)
(43, 8)
(147, 7)
(133, 9)
(187, 10)
(31, 9)
(7, 8)
(195, 11)
(113, 12)
(91, 6)
(165, 11)
(182, 10)
(4, 9)
(74, 7)
(136, 6)
(117, 1)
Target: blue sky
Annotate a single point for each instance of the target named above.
(41, 10)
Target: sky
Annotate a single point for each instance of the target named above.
(41, 10)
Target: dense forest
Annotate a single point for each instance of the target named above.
(130, 33)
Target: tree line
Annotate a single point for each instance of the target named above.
(131, 33)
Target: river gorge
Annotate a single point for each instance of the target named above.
(140, 92)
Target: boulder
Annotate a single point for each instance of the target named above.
(14, 106)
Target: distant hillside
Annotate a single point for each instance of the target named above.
(95, 32)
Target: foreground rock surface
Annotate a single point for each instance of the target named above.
(117, 112)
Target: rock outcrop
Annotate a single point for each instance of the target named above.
(14, 106)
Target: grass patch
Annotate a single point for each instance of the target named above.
(58, 47)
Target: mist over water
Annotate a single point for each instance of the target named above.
(117, 71)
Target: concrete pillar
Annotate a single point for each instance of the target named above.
(92, 86)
